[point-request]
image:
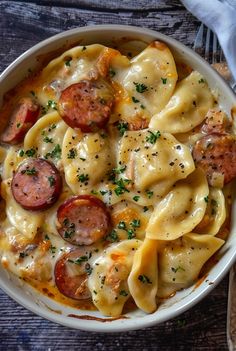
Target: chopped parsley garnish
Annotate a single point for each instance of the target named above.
(149, 193)
(152, 138)
(206, 199)
(84, 48)
(135, 223)
(136, 198)
(130, 234)
(79, 260)
(30, 152)
(18, 125)
(140, 87)
(32, 93)
(70, 228)
(53, 126)
(103, 192)
(142, 106)
(164, 80)
(121, 183)
(46, 139)
(119, 170)
(67, 62)
(52, 104)
(179, 268)
(82, 177)
(121, 225)
(51, 180)
(29, 172)
(82, 159)
(46, 237)
(112, 73)
(55, 153)
(21, 153)
(122, 127)
(144, 279)
(72, 153)
(94, 192)
(123, 293)
(112, 237)
(135, 100)
(201, 81)
(145, 209)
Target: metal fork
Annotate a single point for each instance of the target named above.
(207, 45)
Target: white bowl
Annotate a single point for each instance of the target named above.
(183, 300)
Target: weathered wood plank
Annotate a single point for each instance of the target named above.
(22, 26)
(200, 328)
(112, 5)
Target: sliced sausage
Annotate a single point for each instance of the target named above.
(82, 220)
(86, 105)
(22, 119)
(216, 154)
(216, 122)
(71, 274)
(36, 185)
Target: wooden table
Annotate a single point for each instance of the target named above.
(23, 24)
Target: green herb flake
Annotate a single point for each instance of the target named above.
(80, 260)
(72, 153)
(22, 255)
(18, 125)
(144, 279)
(135, 223)
(119, 170)
(112, 73)
(84, 48)
(32, 93)
(130, 234)
(51, 180)
(164, 80)
(140, 87)
(145, 209)
(152, 138)
(21, 153)
(67, 62)
(94, 192)
(29, 172)
(55, 153)
(206, 199)
(52, 104)
(46, 139)
(136, 198)
(143, 107)
(135, 100)
(179, 268)
(113, 236)
(46, 237)
(30, 152)
(149, 193)
(123, 293)
(122, 127)
(201, 81)
(82, 178)
(121, 186)
(121, 225)
(103, 192)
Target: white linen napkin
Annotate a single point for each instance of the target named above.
(219, 16)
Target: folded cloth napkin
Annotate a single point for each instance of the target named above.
(220, 16)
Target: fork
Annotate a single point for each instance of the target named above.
(207, 45)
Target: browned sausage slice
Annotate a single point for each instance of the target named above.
(83, 220)
(22, 119)
(36, 185)
(216, 122)
(71, 274)
(216, 153)
(86, 105)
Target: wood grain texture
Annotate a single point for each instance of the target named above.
(23, 24)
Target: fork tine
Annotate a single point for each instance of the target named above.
(198, 43)
(207, 47)
(215, 49)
